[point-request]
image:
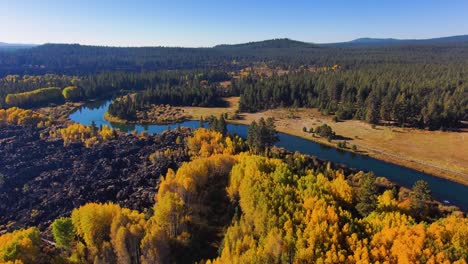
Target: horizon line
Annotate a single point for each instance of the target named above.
(227, 44)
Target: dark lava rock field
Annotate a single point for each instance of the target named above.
(41, 180)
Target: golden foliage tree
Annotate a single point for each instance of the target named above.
(20, 246)
(155, 244)
(109, 232)
(181, 201)
(89, 135)
(205, 143)
(18, 116)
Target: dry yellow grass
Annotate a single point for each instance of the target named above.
(444, 154)
(197, 112)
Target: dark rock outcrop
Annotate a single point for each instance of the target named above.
(41, 180)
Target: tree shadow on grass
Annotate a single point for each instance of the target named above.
(340, 137)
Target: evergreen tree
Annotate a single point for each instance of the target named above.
(200, 122)
(367, 194)
(420, 195)
(94, 129)
(261, 136)
(221, 125)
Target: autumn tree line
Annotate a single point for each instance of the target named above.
(12, 84)
(43, 97)
(71, 133)
(235, 204)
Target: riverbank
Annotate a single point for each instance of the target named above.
(434, 152)
(395, 154)
(442, 190)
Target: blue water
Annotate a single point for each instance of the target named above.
(442, 189)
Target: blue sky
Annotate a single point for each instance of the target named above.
(207, 23)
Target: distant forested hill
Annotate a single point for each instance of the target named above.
(79, 59)
(268, 44)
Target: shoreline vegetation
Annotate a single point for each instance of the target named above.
(412, 148)
(398, 159)
(416, 149)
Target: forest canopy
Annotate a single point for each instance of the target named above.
(74, 59)
(415, 84)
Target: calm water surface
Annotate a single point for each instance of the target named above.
(442, 189)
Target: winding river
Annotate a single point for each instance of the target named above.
(442, 190)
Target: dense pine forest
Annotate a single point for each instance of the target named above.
(416, 85)
(78, 59)
(424, 96)
(187, 89)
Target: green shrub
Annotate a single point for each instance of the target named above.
(71, 93)
(325, 131)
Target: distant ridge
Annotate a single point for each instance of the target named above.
(384, 41)
(280, 43)
(271, 43)
(15, 46)
(374, 40)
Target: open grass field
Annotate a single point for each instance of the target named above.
(197, 112)
(444, 154)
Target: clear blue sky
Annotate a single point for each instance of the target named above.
(196, 23)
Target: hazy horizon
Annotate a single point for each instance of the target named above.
(100, 45)
(209, 23)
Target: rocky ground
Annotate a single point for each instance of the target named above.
(41, 180)
(161, 114)
(154, 114)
